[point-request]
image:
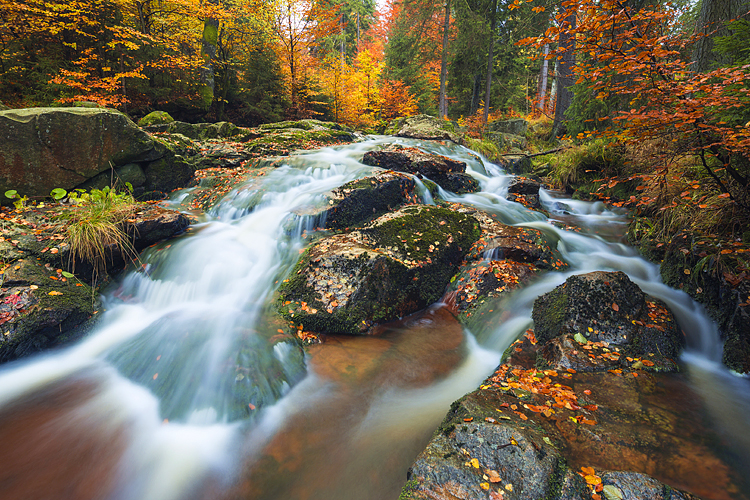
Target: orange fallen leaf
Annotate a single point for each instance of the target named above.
(615, 307)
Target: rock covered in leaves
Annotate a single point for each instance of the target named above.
(563, 435)
(445, 172)
(42, 304)
(609, 309)
(396, 265)
(520, 244)
(525, 191)
(362, 200)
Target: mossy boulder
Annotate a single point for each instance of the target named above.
(40, 308)
(445, 172)
(606, 308)
(46, 148)
(168, 173)
(425, 127)
(394, 266)
(363, 200)
(155, 118)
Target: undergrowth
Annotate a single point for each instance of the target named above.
(95, 226)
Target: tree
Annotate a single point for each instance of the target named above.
(297, 24)
(442, 100)
(667, 99)
(711, 23)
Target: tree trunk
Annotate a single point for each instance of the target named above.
(490, 63)
(565, 75)
(543, 80)
(711, 22)
(442, 101)
(208, 52)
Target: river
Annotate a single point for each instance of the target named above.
(146, 406)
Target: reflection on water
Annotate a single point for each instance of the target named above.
(147, 406)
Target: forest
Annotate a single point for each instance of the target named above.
(661, 86)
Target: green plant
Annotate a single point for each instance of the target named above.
(95, 225)
(20, 202)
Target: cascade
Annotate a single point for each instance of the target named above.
(147, 406)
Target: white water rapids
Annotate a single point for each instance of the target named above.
(150, 389)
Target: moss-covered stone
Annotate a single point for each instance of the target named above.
(362, 200)
(155, 118)
(425, 127)
(396, 265)
(40, 309)
(46, 148)
(605, 307)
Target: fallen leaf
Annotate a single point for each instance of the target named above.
(615, 307)
(54, 292)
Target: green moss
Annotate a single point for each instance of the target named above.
(155, 118)
(408, 490)
(548, 321)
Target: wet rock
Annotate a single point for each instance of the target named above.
(524, 185)
(478, 281)
(398, 264)
(425, 127)
(168, 173)
(445, 172)
(696, 269)
(608, 308)
(519, 244)
(360, 201)
(562, 434)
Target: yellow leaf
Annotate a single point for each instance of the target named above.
(474, 462)
(54, 292)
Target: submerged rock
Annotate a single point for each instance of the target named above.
(396, 265)
(608, 308)
(443, 171)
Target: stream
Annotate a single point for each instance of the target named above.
(147, 406)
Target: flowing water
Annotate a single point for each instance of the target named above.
(182, 392)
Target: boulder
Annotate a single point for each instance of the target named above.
(445, 172)
(425, 127)
(46, 148)
(529, 432)
(520, 244)
(155, 118)
(362, 200)
(396, 265)
(131, 173)
(607, 309)
(168, 173)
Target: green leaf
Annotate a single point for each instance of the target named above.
(58, 193)
(11, 193)
(579, 338)
(68, 275)
(612, 493)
